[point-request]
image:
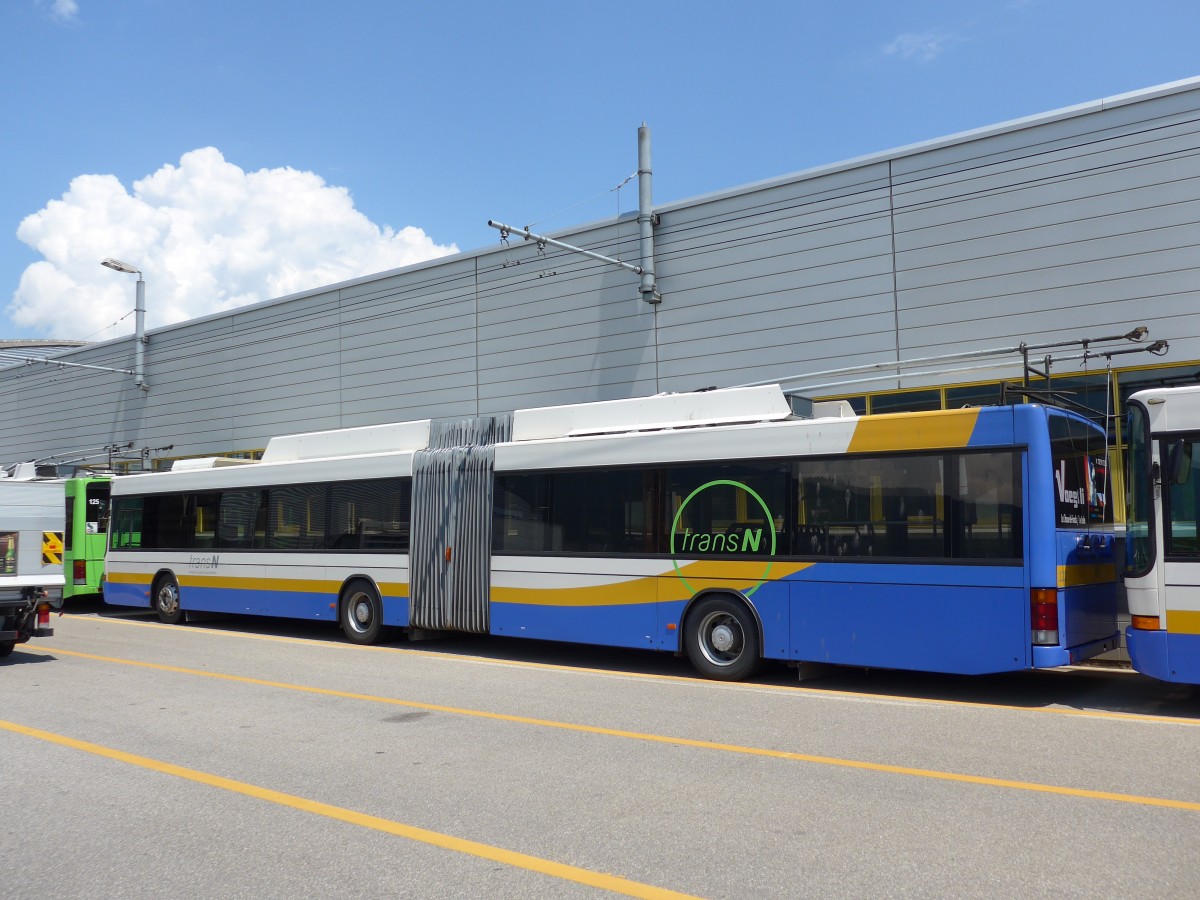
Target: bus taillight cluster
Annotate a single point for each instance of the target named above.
(1043, 615)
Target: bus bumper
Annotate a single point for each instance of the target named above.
(1050, 657)
(1164, 655)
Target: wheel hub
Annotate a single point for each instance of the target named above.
(722, 638)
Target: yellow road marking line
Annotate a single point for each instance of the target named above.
(612, 883)
(678, 679)
(661, 739)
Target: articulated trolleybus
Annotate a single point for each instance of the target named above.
(1162, 539)
(717, 524)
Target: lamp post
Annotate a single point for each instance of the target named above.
(139, 327)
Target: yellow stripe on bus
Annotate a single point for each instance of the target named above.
(737, 575)
(707, 574)
(1183, 621)
(293, 585)
(129, 578)
(1093, 573)
(913, 431)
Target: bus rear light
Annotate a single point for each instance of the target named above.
(1043, 615)
(79, 571)
(1145, 623)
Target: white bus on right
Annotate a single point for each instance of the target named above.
(1162, 538)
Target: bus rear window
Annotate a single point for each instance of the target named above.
(96, 495)
(1081, 480)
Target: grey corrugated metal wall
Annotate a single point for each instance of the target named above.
(1066, 225)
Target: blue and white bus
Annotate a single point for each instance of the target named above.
(717, 524)
(1162, 539)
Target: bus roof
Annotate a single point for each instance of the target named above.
(754, 422)
(1174, 408)
(689, 410)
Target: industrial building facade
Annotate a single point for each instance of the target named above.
(1072, 224)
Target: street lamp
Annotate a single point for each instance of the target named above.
(139, 327)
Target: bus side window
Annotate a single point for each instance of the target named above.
(1180, 462)
(236, 518)
(296, 517)
(985, 518)
(127, 534)
(521, 512)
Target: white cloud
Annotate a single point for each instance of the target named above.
(62, 10)
(208, 236)
(923, 47)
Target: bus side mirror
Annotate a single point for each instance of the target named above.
(1179, 462)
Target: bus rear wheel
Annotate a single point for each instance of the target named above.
(721, 639)
(361, 613)
(166, 600)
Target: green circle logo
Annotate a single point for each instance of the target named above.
(745, 541)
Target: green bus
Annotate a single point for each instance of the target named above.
(85, 535)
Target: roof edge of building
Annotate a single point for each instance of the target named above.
(1012, 125)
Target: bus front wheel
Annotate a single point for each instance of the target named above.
(166, 600)
(361, 613)
(721, 639)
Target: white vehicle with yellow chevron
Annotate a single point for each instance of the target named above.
(31, 572)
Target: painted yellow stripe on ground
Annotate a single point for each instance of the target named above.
(1183, 621)
(1094, 573)
(913, 431)
(663, 739)
(613, 883)
(823, 693)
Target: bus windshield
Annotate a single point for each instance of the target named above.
(1139, 543)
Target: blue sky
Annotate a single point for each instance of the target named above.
(238, 151)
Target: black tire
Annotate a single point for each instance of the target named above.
(361, 612)
(166, 600)
(721, 638)
(7, 647)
